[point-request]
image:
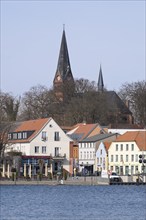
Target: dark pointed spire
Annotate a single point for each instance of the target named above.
(100, 81)
(63, 67)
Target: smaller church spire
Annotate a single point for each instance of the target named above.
(100, 81)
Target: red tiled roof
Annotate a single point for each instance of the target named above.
(85, 129)
(107, 145)
(138, 136)
(31, 125)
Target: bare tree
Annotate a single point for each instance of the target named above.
(9, 107)
(36, 103)
(4, 130)
(84, 85)
(135, 94)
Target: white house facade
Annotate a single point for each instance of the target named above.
(88, 152)
(43, 140)
(101, 160)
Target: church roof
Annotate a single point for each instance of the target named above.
(63, 66)
(100, 80)
(113, 99)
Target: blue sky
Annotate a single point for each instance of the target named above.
(110, 33)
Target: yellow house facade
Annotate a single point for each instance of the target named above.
(123, 153)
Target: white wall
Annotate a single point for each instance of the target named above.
(101, 155)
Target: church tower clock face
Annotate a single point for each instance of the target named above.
(58, 78)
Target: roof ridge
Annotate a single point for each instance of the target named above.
(90, 131)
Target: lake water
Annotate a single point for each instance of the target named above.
(64, 202)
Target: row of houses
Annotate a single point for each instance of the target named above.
(81, 149)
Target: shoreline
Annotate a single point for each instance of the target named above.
(69, 181)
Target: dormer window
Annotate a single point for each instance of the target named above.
(19, 135)
(9, 136)
(14, 136)
(24, 135)
(44, 136)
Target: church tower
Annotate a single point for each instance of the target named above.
(63, 73)
(100, 81)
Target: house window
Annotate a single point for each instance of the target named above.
(43, 149)
(136, 169)
(116, 147)
(116, 158)
(56, 136)
(117, 169)
(132, 157)
(9, 136)
(100, 160)
(121, 170)
(101, 152)
(121, 158)
(19, 135)
(97, 160)
(126, 170)
(127, 147)
(43, 135)
(121, 147)
(132, 147)
(81, 154)
(24, 135)
(132, 169)
(85, 155)
(126, 158)
(90, 154)
(36, 149)
(112, 158)
(15, 136)
(136, 158)
(111, 168)
(56, 151)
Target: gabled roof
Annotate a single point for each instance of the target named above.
(82, 131)
(107, 145)
(98, 137)
(137, 136)
(32, 126)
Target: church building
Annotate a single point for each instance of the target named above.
(63, 75)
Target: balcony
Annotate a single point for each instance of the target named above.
(59, 157)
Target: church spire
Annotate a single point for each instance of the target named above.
(63, 71)
(100, 81)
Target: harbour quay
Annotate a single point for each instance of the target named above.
(84, 180)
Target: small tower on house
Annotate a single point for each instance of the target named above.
(63, 73)
(100, 81)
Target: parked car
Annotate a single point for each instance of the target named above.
(114, 177)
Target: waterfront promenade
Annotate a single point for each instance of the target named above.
(88, 180)
(70, 181)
